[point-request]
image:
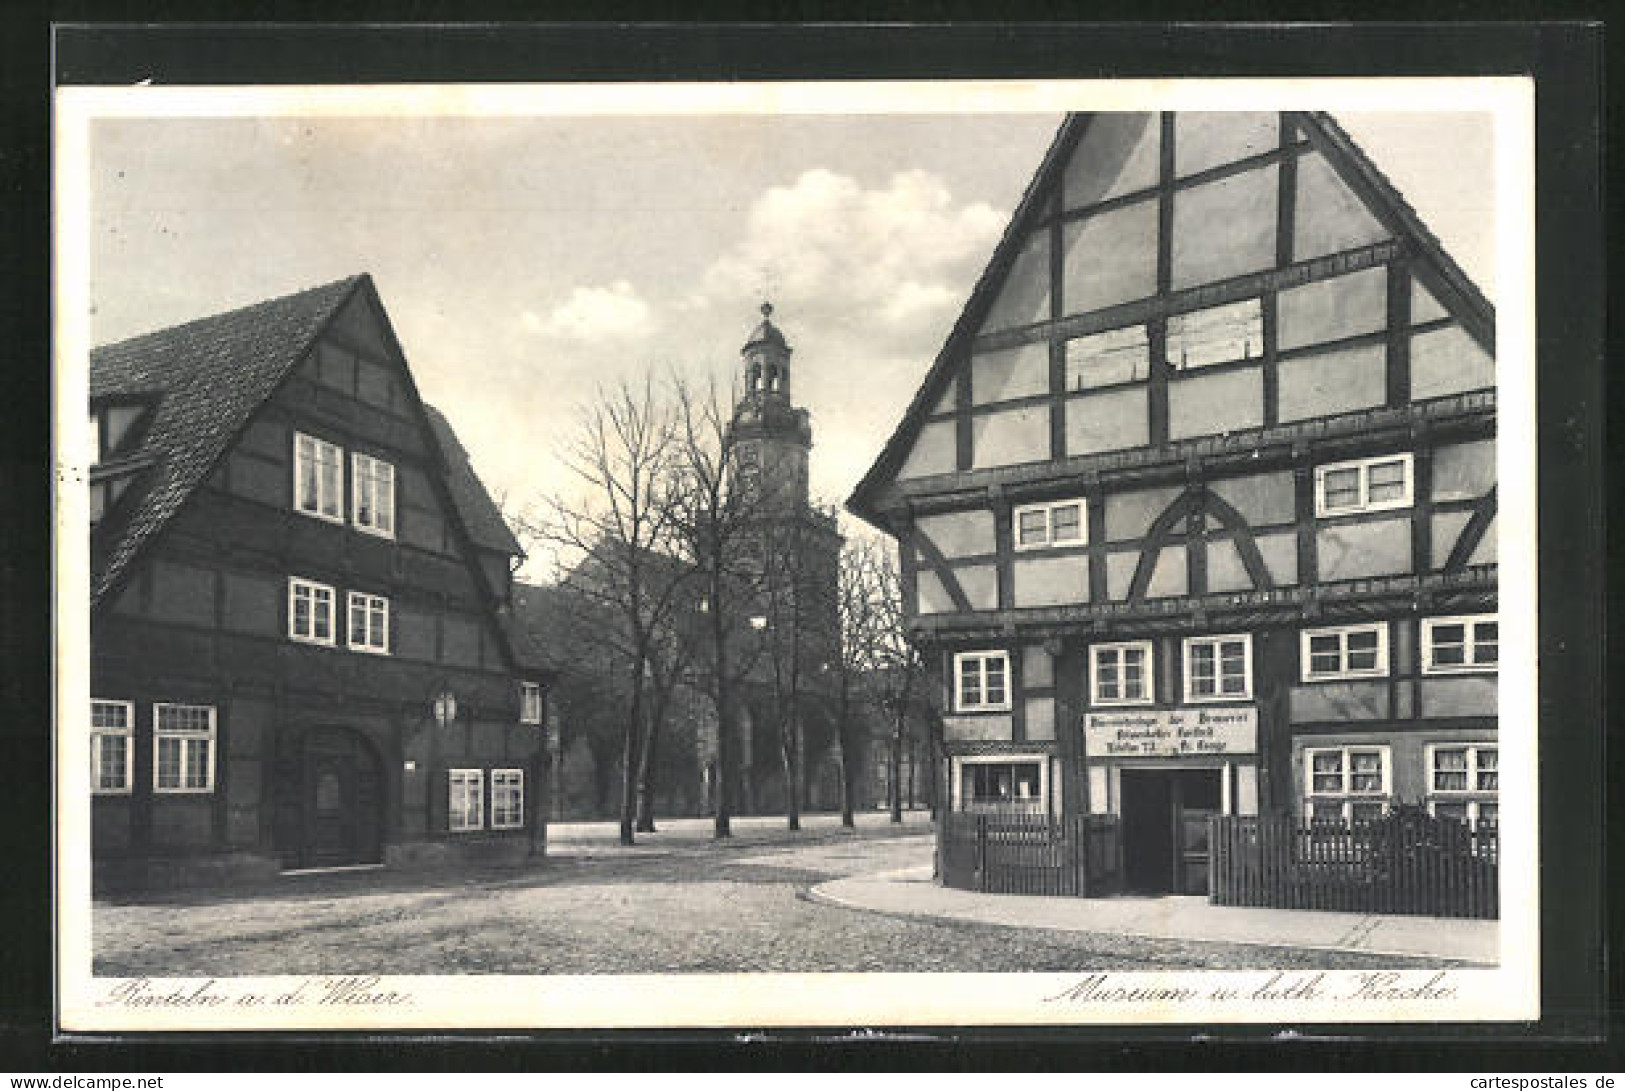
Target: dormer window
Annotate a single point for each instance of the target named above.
(115, 432)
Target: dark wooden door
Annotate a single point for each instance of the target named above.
(1196, 798)
(341, 801)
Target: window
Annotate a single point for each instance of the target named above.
(1120, 674)
(1346, 783)
(507, 799)
(1464, 783)
(369, 623)
(110, 749)
(1217, 335)
(310, 611)
(1345, 651)
(183, 748)
(982, 681)
(1218, 668)
(1364, 484)
(1055, 524)
(1109, 358)
(1003, 787)
(1459, 645)
(465, 809)
(373, 489)
(318, 477)
(530, 703)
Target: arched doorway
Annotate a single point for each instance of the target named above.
(340, 799)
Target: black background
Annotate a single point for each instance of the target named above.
(101, 43)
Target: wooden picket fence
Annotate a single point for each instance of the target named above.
(1408, 862)
(1029, 854)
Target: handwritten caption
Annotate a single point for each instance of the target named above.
(351, 992)
(1279, 985)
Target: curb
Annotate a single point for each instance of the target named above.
(818, 895)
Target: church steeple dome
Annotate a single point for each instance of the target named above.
(767, 360)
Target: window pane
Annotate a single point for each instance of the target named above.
(197, 763)
(1489, 813)
(1362, 660)
(169, 763)
(1366, 812)
(1485, 635)
(1033, 528)
(1065, 525)
(1341, 488)
(1457, 810)
(1362, 640)
(1386, 481)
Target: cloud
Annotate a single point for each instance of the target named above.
(894, 262)
(615, 313)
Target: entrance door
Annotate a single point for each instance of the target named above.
(341, 801)
(1165, 831)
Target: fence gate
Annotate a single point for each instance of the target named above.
(1028, 854)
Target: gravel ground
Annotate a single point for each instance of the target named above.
(735, 909)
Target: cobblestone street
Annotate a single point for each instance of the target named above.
(692, 907)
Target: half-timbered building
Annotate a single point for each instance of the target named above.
(1196, 506)
(300, 647)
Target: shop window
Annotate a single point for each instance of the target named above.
(1060, 523)
(530, 703)
(183, 748)
(318, 473)
(310, 611)
(1001, 787)
(1219, 668)
(1108, 358)
(1120, 674)
(111, 725)
(373, 491)
(465, 807)
(1346, 783)
(507, 799)
(982, 681)
(369, 623)
(1216, 335)
(1344, 651)
(1459, 645)
(1363, 484)
(1464, 783)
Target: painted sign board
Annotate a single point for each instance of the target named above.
(1171, 733)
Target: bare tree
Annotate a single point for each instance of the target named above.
(714, 526)
(864, 649)
(899, 673)
(618, 532)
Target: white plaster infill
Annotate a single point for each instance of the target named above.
(910, 892)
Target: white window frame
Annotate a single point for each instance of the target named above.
(1342, 632)
(372, 643)
(1048, 509)
(1117, 649)
(1471, 644)
(98, 735)
(960, 764)
(1472, 795)
(530, 703)
(374, 476)
(323, 498)
(1207, 343)
(964, 661)
(1346, 796)
(296, 584)
(1362, 466)
(457, 820)
(208, 736)
(1191, 696)
(503, 780)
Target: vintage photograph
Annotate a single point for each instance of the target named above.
(533, 539)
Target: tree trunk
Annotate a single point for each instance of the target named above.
(629, 757)
(720, 683)
(895, 777)
(787, 748)
(843, 739)
(648, 764)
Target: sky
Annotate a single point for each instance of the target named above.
(527, 261)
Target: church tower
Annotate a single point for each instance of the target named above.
(774, 437)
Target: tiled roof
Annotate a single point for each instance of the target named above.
(480, 514)
(209, 377)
